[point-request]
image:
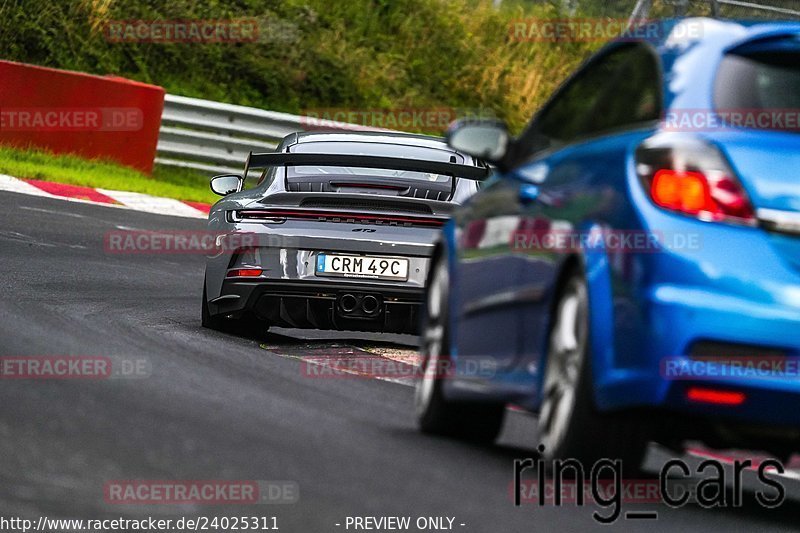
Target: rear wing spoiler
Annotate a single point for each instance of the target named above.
(456, 170)
(782, 39)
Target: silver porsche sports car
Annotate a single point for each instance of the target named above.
(336, 234)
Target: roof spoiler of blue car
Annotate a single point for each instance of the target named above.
(443, 168)
(783, 39)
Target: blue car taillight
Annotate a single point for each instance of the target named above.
(692, 177)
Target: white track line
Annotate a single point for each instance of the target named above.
(12, 184)
(127, 200)
(153, 204)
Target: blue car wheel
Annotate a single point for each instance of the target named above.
(569, 424)
(435, 414)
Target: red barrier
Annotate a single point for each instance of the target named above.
(71, 112)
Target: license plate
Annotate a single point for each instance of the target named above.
(359, 266)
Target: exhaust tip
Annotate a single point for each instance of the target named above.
(348, 303)
(370, 305)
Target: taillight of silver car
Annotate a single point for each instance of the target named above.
(278, 216)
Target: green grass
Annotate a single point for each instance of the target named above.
(312, 54)
(169, 182)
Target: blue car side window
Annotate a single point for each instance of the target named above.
(620, 89)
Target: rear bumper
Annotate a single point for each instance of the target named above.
(688, 324)
(714, 366)
(734, 296)
(290, 292)
(314, 304)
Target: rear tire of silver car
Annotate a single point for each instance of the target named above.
(209, 321)
(247, 325)
(435, 414)
(570, 426)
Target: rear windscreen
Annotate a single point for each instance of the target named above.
(760, 88)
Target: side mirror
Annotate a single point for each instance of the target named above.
(226, 184)
(484, 139)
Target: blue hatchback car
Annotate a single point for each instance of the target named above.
(632, 272)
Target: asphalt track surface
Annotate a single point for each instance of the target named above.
(216, 406)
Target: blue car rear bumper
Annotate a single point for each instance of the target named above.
(729, 311)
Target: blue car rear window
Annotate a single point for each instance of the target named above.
(761, 78)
